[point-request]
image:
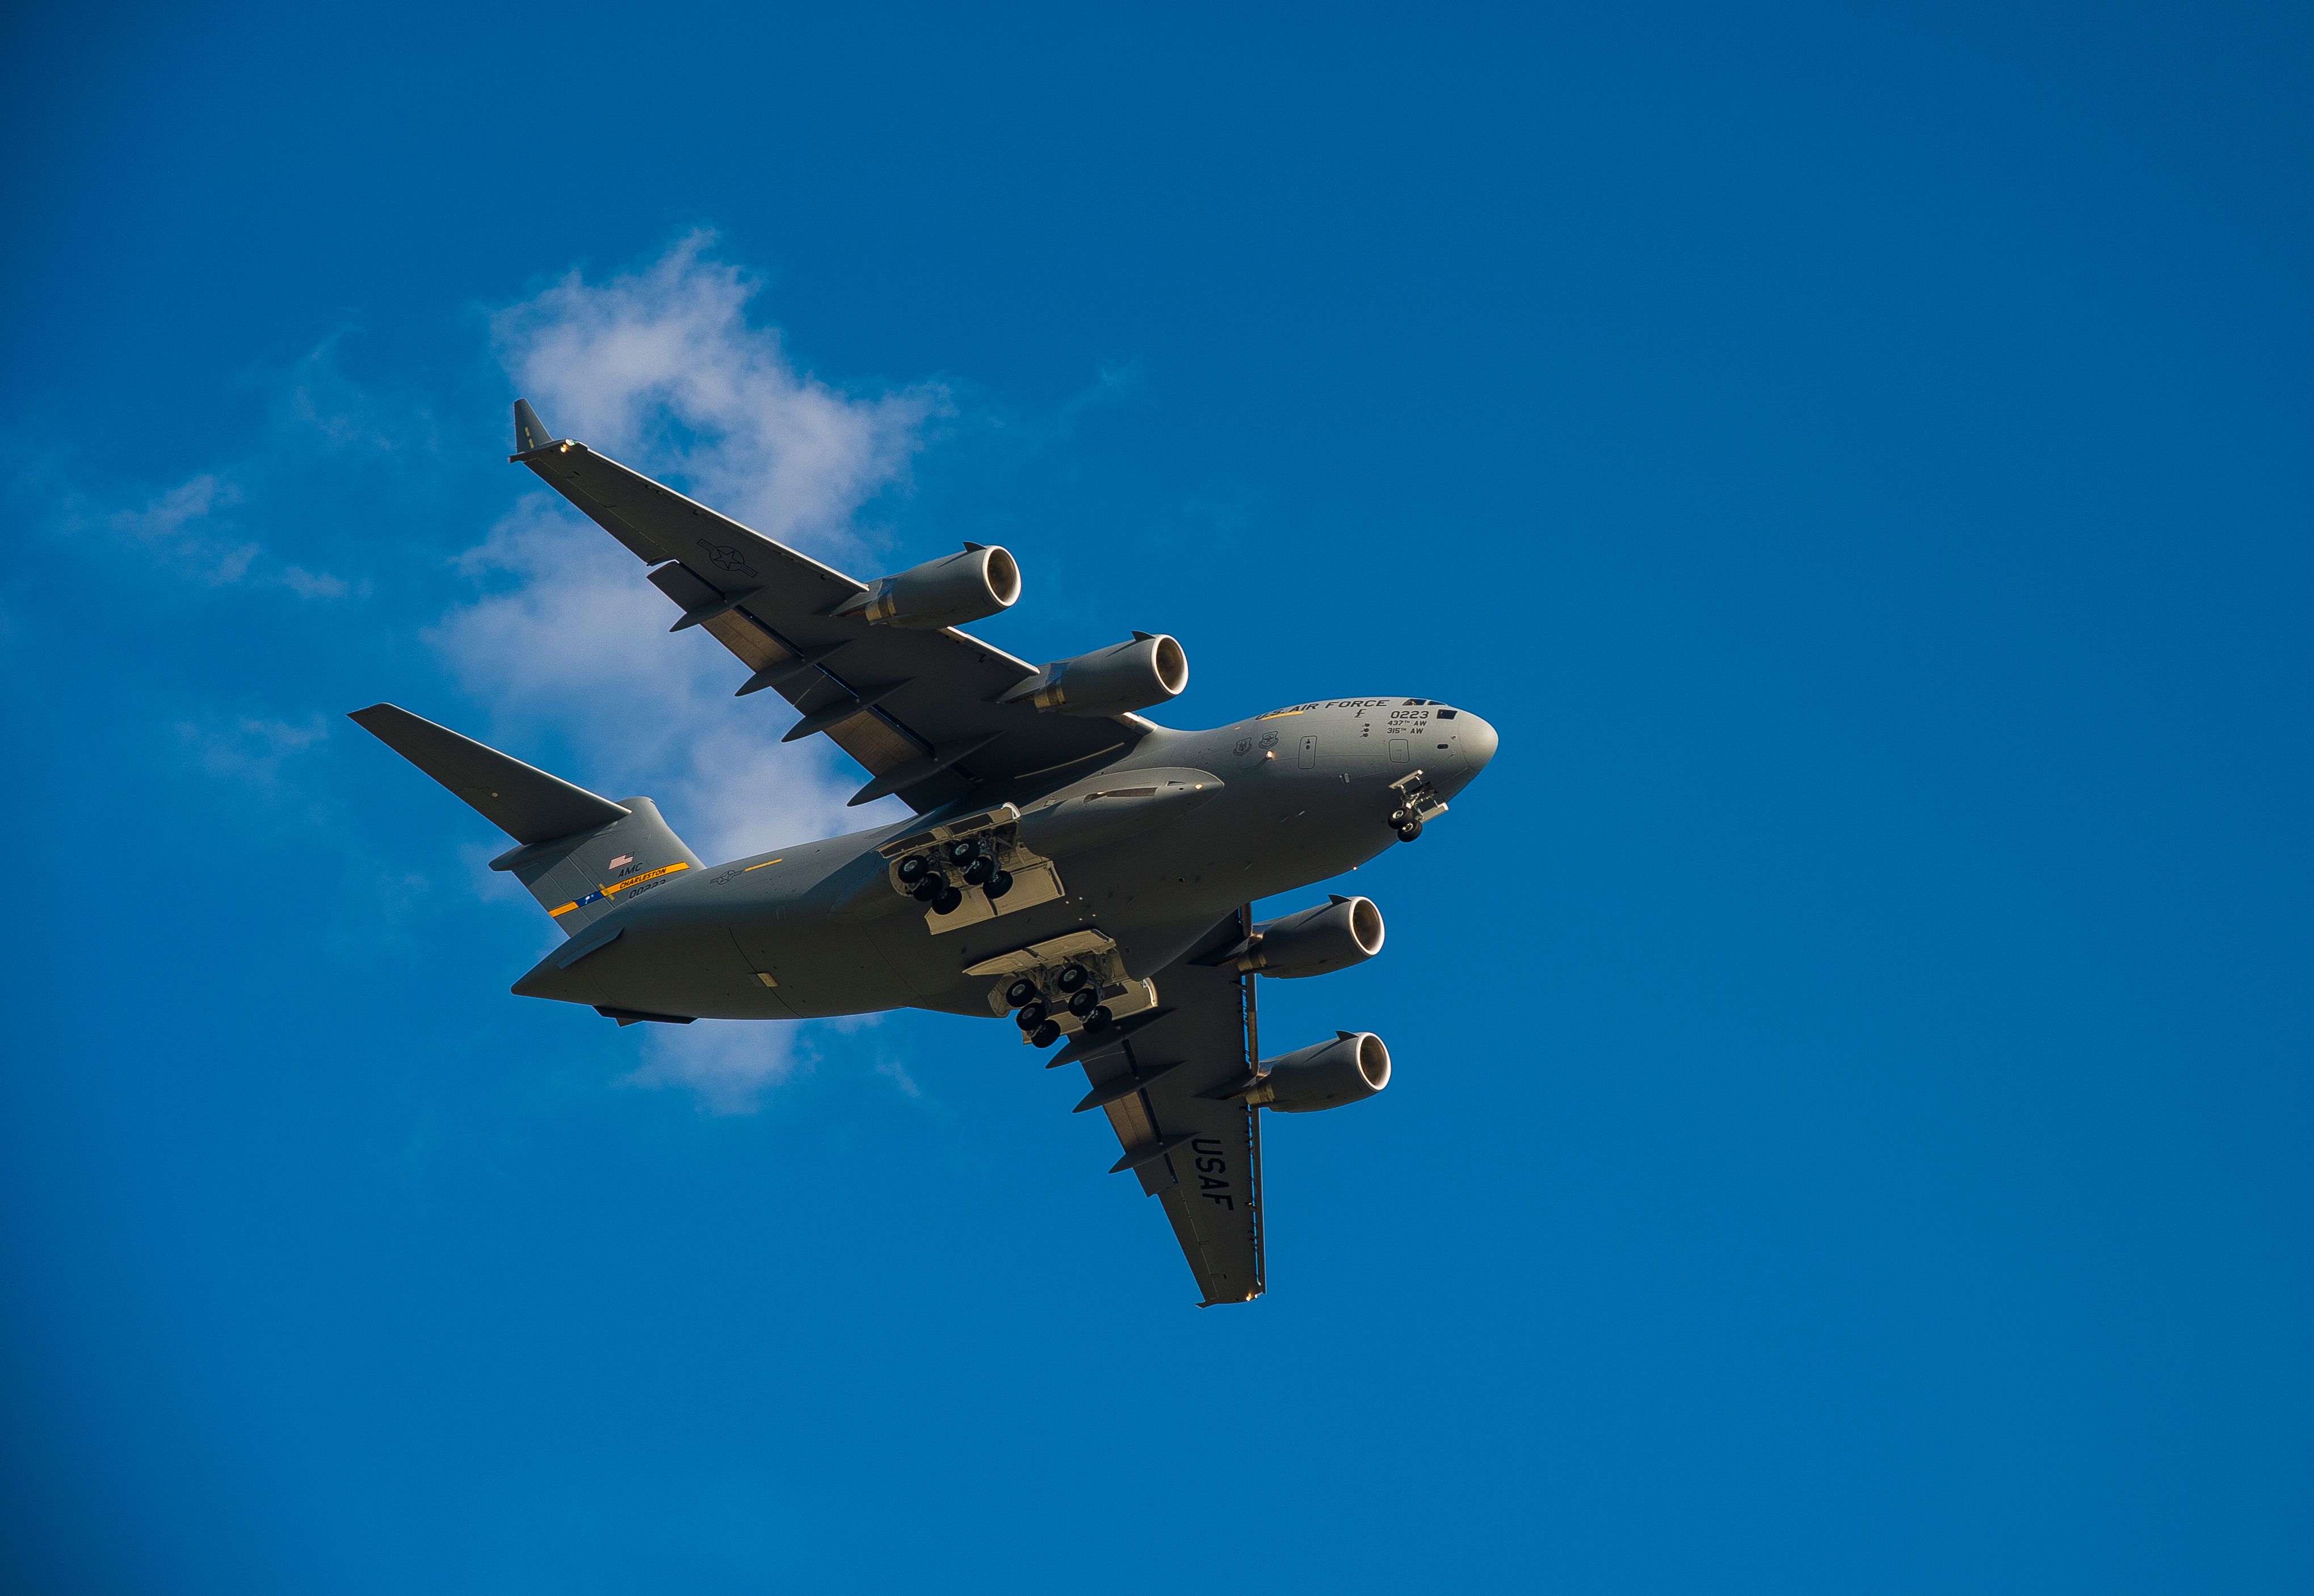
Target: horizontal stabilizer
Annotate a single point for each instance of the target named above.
(524, 802)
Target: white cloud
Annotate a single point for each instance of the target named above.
(661, 365)
(664, 360)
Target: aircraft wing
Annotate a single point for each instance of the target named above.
(916, 709)
(1198, 1153)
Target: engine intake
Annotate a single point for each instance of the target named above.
(1333, 936)
(1355, 1065)
(945, 592)
(1111, 681)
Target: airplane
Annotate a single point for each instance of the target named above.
(1070, 865)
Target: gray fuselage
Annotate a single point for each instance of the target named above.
(1303, 794)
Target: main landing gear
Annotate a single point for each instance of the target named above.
(1080, 997)
(1033, 1018)
(973, 865)
(1073, 985)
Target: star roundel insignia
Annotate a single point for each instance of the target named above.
(724, 557)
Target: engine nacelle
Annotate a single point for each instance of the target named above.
(1148, 670)
(1332, 936)
(1355, 1065)
(945, 592)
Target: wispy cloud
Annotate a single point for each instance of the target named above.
(731, 1063)
(190, 528)
(196, 531)
(248, 749)
(203, 533)
(663, 367)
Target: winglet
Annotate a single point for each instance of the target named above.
(529, 432)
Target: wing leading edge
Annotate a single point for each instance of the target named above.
(1198, 1154)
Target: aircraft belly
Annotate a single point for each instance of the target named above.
(694, 968)
(825, 965)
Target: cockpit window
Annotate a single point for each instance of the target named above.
(1445, 714)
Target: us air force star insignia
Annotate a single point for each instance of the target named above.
(725, 557)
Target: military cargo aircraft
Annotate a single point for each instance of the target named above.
(1070, 865)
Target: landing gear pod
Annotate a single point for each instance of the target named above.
(945, 592)
(1111, 681)
(1355, 1065)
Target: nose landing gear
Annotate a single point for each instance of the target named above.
(1413, 802)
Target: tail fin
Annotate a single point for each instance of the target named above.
(579, 853)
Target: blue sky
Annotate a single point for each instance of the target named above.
(1850, 1122)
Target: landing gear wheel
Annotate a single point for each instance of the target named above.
(979, 870)
(1021, 992)
(1084, 1000)
(1032, 1014)
(1098, 1021)
(963, 850)
(1044, 1035)
(949, 898)
(1409, 831)
(999, 884)
(1072, 977)
(929, 888)
(1399, 817)
(913, 869)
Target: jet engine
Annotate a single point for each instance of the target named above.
(945, 592)
(1148, 670)
(1333, 936)
(1355, 1065)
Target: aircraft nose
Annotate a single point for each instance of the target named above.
(1478, 741)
